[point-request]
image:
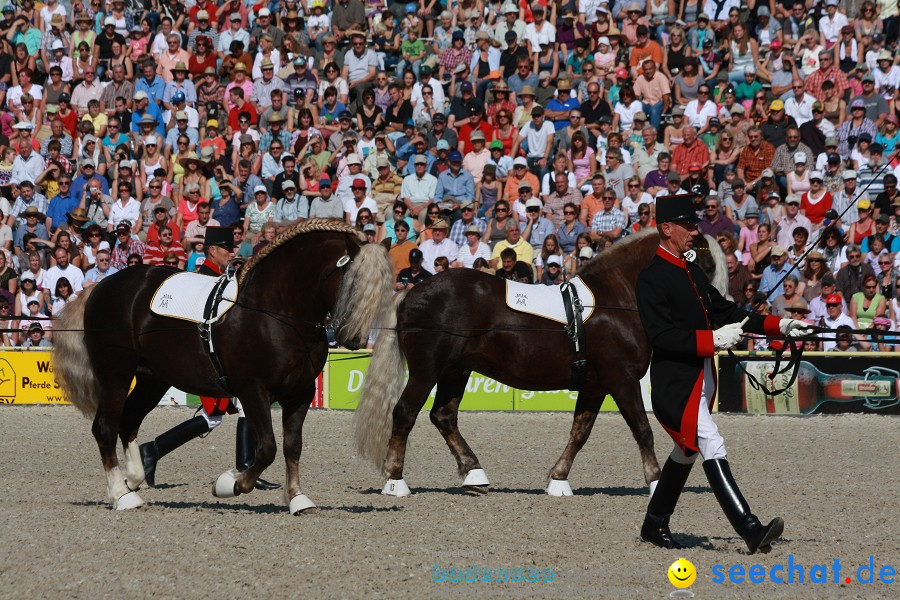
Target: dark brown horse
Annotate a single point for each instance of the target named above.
(458, 322)
(271, 345)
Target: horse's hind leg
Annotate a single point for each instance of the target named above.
(143, 398)
(414, 396)
(106, 428)
(293, 414)
(586, 408)
(444, 415)
(627, 393)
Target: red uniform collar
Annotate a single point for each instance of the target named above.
(213, 266)
(671, 258)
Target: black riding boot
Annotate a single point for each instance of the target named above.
(179, 435)
(656, 524)
(245, 452)
(758, 537)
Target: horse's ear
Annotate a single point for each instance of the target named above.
(386, 242)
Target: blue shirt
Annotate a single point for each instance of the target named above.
(156, 90)
(539, 232)
(79, 182)
(567, 240)
(770, 277)
(153, 111)
(556, 105)
(59, 206)
(228, 214)
(187, 86)
(461, 186)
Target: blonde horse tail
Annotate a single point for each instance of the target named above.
(384, 383)
(720, 277)
(364, 297)
(71, 363)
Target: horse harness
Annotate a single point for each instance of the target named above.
(211, 315)
(575, 333)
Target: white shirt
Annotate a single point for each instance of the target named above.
(697, 115)
(71, 272)
(437, 89)
(27, 169)
(831, 28)
(119, 212)
(887, 83)
(537, 138)
(467, 258)
(801, 109)
(431, 251)
(547, 35)
(834, 324)
(351, 207)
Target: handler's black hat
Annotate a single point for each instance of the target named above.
(220, 236)
(676, 208)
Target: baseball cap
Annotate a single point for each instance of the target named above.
(776, 250)
(776, 105)
(420, 159)
(454, 156)
(415, 255)
(353, 159)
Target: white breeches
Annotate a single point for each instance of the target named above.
(709, 440)
(215, 421)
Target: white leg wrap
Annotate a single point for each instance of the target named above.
(299, 504)
(559, 487)
(476, 477)
(396, 487)
(211, 422)
(128, 501)
(224, 486)
(653, 487)
(134, 467)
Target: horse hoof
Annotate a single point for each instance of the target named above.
(225, 485)
(128, 501)
(396, 487)
(476, 480)
(653, 487)
(301, 505)
(559, 487)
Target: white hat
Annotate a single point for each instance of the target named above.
(23, 126)
(57, 45)
(533, 203)
(510, 8)
(554, 259)
(520, 161)
(109, 21)
(150, 141)
(603, 40)
(586, 252)
(264, 12)
(816, 175)
(141, 95)
(800, 157)
(260, 188)
(353, 159)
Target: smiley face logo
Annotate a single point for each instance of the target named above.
(682, 573)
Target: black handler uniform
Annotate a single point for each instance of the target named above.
(680, 310)
(213, 408)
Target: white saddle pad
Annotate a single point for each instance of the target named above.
(546, 300)
(184, 296)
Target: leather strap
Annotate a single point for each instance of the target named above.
(575, 332)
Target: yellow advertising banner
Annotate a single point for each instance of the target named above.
(26, 377)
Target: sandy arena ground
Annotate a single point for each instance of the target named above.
(833, 479)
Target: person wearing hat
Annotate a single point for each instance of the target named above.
(475, 123)
(265, 83)
(456, 185)
(179, 90)
(173, 57)
(415, 273)
(235, 32)
(35, 337)
(202, 15)
(418, 188)
(771, 282)
(687, 320)
(557, 109)
(359, 188)
(876, 106)
(146, 119)
(439, 244)
(219, 245)
(813, 133)
(126, 244)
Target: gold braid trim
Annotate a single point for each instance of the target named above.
(307, 226)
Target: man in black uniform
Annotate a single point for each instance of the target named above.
(219, 243)
(687, 320)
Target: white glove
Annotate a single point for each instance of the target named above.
(727, 336)
(794, 327)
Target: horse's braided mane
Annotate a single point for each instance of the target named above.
(307, 226)
(620, 253)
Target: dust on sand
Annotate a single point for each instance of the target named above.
(833, 480)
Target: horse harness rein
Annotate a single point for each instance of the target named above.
(211, 315)
(575, 333)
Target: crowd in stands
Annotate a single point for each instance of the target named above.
(520, 138)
